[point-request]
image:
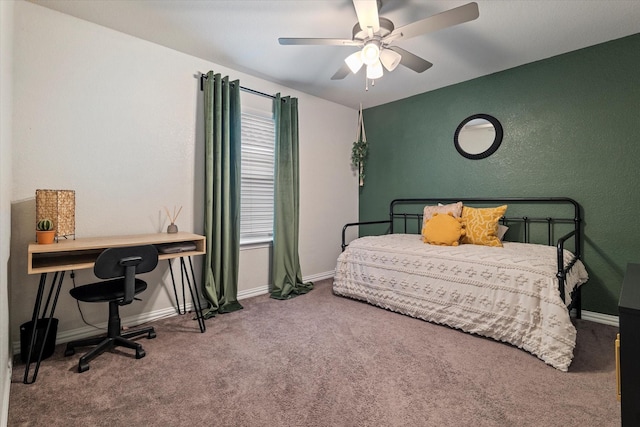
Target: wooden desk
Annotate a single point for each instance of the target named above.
(79, 254)
(82, 253)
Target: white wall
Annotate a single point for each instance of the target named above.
(6, 66)
(119, 120)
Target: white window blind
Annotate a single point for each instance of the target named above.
(257, 175)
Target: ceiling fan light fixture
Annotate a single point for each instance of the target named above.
(370, 52)
(390, 59)
(374, 34)
(354, 61)
(374, 71)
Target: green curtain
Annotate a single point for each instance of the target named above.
(222, 193)
(286, 273)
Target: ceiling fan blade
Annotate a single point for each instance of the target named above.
(341, 73)
(451, 17)
(367, 11)
(411, 61)
(312, 41)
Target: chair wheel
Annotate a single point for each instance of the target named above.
(83, 367)
(152, 334)
(140, 353)
(69, 352)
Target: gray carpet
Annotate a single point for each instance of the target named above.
(322, 360)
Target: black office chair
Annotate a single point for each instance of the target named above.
(121, 265)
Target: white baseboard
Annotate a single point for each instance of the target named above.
(4, 405)
(606, 319)
(319, 276)
(132, 321)
(261, 290)
(253, 292)
(89, 331)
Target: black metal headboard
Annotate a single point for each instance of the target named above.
(405, 216)
(401, 209)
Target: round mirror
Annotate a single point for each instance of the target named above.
(478, 136)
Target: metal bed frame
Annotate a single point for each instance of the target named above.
(400, 212)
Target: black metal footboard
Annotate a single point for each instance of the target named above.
(536, 220)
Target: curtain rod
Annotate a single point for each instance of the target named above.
(245, 89)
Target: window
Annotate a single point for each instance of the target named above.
(256, 183)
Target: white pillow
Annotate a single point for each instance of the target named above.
(502, 229)
(454, 208)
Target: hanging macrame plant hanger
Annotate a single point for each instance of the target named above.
(360, 148)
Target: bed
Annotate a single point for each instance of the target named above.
(521, 292)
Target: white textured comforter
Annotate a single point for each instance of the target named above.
(509, 294)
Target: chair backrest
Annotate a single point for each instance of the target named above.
(112, 262)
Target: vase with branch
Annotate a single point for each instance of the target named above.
(360, 149)
(172, 227)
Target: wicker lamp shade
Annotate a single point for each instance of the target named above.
(60, 207)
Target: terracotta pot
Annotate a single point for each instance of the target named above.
(45, 237)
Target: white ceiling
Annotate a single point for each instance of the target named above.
(243, 35)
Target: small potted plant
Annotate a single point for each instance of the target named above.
(45, 233)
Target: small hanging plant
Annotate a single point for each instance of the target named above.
(360, 149)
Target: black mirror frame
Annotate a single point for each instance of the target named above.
(496, 141)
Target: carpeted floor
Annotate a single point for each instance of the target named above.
(322, 360)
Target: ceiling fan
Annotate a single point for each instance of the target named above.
(376, 36)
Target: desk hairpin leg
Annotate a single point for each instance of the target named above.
(175, 292)
(36, 314)
(195, 297)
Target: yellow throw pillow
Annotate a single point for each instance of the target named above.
(443, 229)
(482, 225)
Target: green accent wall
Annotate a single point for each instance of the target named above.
(571, 128)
